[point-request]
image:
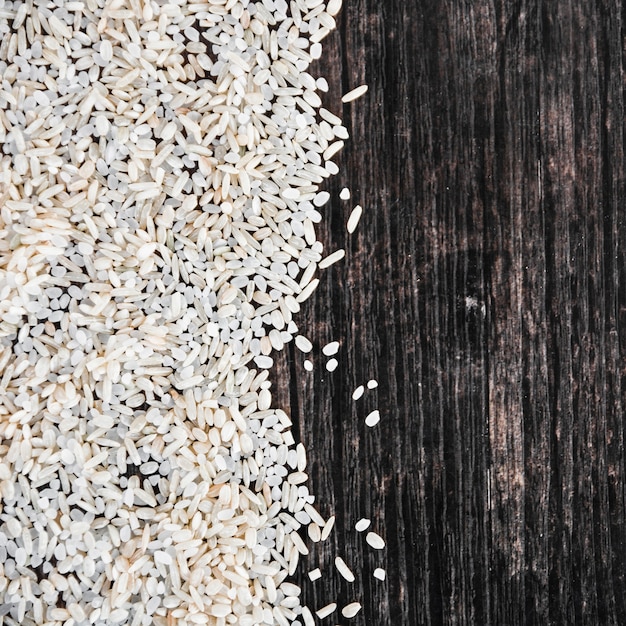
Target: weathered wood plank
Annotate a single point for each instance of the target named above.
(485, 289)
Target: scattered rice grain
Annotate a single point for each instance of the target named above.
(372, 418)
(350, 610)
(380, 573)
(353, 220)
(375, 540)
(343, 569)
(332, 258)
(315, 574)
(327, 610)
(357, 92)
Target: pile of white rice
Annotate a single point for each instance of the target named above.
(159, 172)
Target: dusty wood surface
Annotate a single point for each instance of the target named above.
(484, 290)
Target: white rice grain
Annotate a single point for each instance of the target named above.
(303, 344)
(333, 7)
(307, 617)
(350, 610)
(372, 418)
(358, 392)
(355, 93)
(332, 258)
(375, 540)
(315, 574)
(331, 348)
(327, 610)
(343, 569)
(162, 219)
(328, 526)
(353, 220)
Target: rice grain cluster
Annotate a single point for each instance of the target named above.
(160, 167)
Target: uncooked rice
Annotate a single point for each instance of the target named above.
(357, 92)
(375, 540)
(328, 526)
(315, 574)
(358, 392)
(331, 348)
(350, 610)
(332, 364)
(353, 220)
(159, 191)
(372, 418)
(327, 610)
(303, 344)
(343, 569)
(337, 255)
(307, 617)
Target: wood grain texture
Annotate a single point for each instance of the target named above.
(485, 290)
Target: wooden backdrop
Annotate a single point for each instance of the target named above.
(485, 290)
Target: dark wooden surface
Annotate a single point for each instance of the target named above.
(485, 290)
